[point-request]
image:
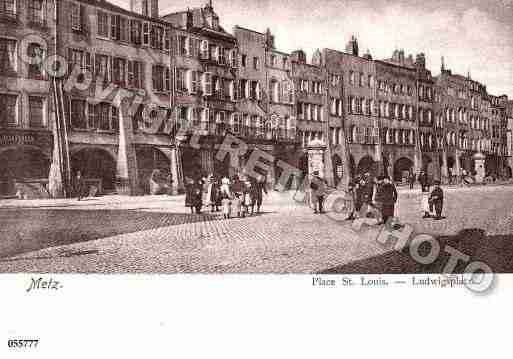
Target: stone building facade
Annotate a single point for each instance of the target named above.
(26, 31)
(142, 91)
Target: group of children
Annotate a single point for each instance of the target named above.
(236, 197)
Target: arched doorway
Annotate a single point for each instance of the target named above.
(366, 164)
(491, 166)
(402, 168)
(191, 163)
(150, 159)
(95, 163)
(21, 164)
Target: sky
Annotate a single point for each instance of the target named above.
(472, 35)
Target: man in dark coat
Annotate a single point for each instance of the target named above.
(318, 191)
(387, 196)
(257, 193)
(411, 179)
(436, 199)
(424, 181)
(80, 185)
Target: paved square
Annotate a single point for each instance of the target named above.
(157, 234)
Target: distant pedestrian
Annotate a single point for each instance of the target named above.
(189, 195)
(424, 181)
(80, 186)
(411, 179)
(212, 194)
(317, 191)
(257, 193)
(387, 196)
(436, 200)
(225, 195)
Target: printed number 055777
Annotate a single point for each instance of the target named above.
(22, 343)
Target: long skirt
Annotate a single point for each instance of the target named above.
(424, 202)
(226, 203)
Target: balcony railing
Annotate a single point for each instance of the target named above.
(245, 132)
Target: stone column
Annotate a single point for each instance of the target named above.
(479, 162)
(174, 156)
(445, 169)
(457, 165)
(55, 181)
(126, 172)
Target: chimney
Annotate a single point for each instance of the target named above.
(154, 9)
(145, 7)
(299, 56)
(352, 46)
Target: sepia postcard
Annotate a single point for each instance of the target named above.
(357, 145)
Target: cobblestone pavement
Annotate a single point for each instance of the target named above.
(156, 234)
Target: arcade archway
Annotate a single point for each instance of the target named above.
(402, 168)
(97, 164)
(21, 164)
(150, 159)
(191, 163)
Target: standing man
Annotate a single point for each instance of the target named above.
(318, 189)
(258, 189)
(79, 185)
(411, 179)
(436, 199)
(424, 181)
(387, 196)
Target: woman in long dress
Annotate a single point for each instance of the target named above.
(225, 194)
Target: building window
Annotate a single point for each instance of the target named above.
(77, 114)
(256, 63)
(244, 59)
(36, 112)
(101, 67)
(157, 37)
(8, 7)
(135, 30)
(182, 45)
(194, 81)
(103, 23)
(115, 31)
(135, 73)
(9, 113)
(35, 11)
(36, 53)
(7, 56)
(119, 71)
(146, 34)
(180, 80)
(214, 53)
(76, 17)
(124, 29)
(104, 120)
(160, 78)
